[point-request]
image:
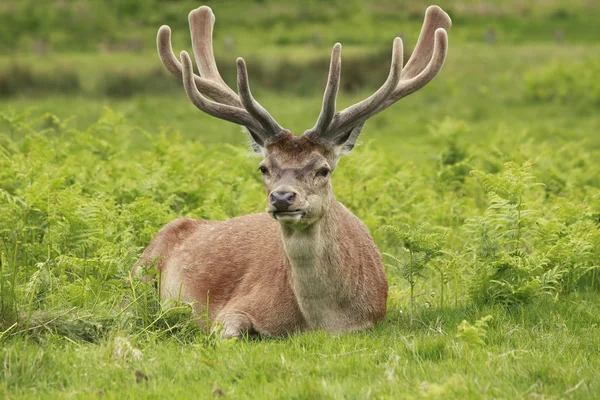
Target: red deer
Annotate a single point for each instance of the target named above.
(307, 262)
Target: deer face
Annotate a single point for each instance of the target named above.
(296, 172)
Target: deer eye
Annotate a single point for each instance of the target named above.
(263, 170)
(324, 172)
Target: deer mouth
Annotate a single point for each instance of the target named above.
(288, 215)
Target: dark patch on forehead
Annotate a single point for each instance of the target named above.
(298, 147)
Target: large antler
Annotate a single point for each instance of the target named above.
(239, 108)
(424, 64)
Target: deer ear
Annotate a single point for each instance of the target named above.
(255, 141)
(348, 139)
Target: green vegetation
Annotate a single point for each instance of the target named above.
(49, 42)
(482, 191)
(570, 85)
(84, 25)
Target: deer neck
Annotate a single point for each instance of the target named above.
(316, 269)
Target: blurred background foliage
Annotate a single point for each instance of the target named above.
(30, 25)
(49, 46)
(74, 57)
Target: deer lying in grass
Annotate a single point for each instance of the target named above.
(307, 262)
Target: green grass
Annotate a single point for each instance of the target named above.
(86, 180)
(549, 350)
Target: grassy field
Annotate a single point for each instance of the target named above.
(489, 177)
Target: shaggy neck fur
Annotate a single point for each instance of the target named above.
(320, 284)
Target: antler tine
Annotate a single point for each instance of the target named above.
(424, 64)
(222, 111)
(428, 56)
(242, 109)
(331, 90)
(358, 113)
(202, 21)
(411, 85)
(435, 18)
(252, 106)
(213, 90)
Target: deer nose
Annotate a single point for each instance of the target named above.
(282, 200)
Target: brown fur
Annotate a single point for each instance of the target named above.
(274, 278)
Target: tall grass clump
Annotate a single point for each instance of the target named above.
(521, 249)
(129, 82)
(509, 238)
(566, 82)
(22, 79)
(422, 245)
(77, 207)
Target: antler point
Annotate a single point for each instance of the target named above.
(201, 12)
(440, 33)
(435, 11)
(164, 30)
(337, 50)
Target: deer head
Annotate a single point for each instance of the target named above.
(297, 169)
